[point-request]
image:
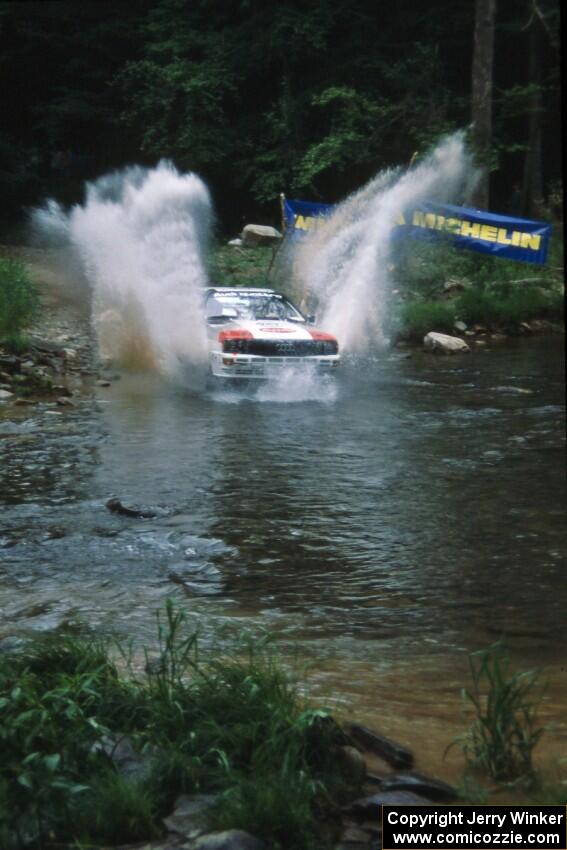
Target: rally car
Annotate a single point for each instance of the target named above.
(255, 333)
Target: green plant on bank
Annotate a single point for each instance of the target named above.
(495, 292)
(505, 731)
(420, 317)
(229, 723)
(494, 308)
(422, 266)
(19, 302)
(234, 266)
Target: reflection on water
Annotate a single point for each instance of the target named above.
(414, 517)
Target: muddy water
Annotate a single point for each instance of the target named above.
(387, 529)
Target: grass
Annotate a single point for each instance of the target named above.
(423, 266)
(508, 308)
(498, 308)
(232, 725)
(19, 303)
(497, 293)
(505, 731)
(234, 266)
(419, 317)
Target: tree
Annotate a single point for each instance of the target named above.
(482, 66)
(542, 33)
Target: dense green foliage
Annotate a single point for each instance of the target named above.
(232, 725)
(18, 301)
(308, 98)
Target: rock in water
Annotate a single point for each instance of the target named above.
(231, 839)
(390, 751)
(352, 763)
(116, 507)
(371, 807)
(433, 789)
(444, 344)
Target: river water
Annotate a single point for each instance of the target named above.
(385, 528)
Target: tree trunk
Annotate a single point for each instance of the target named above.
(532, 185)
(483, 56)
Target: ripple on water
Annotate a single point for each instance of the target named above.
(418, 516)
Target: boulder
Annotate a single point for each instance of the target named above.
(426, 786)
(128, 761)
(10, 363)
(370, 808)
(230, 839)
(455, 285)
(259, 234)
(444, 344)
(352, 763)
(353, 836)
(376, 767)
(191, 813)
(390, 751)
(5, 395)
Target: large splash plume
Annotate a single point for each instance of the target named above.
(141, 235)
(344, 266)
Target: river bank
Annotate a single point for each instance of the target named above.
(196, 750)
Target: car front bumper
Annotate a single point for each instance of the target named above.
(254, 366)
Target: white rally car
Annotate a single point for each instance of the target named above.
(254, 333)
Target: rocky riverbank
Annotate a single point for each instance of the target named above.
(377, 768)
(198, 752)
(57, 364)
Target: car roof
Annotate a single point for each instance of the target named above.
(241, 290)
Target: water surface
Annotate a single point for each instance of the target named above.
(388, 526)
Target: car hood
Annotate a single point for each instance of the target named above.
(266, 329)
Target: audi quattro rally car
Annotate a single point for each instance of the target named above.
(254, 333)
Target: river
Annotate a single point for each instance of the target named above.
(384, 531)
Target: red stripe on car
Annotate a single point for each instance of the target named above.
(322, 336)
(236, 333)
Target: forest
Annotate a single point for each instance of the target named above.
(309, 97)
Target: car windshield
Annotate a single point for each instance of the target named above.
(247, 305)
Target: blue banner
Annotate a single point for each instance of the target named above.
(498, 235)
(301, 216)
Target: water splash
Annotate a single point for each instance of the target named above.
(289, 386)
(141, 235)
(344, 267)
